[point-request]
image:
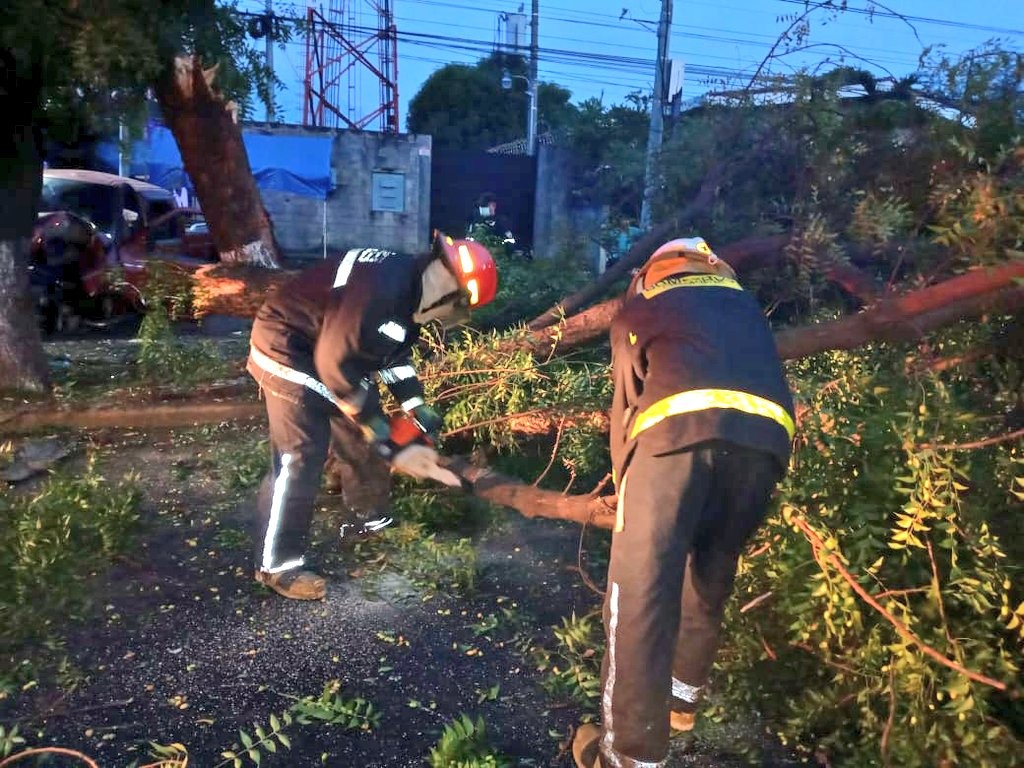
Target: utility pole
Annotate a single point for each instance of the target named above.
(531, 129)
(657, 113)
(270, 56)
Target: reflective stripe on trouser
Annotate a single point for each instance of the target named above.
(300, 431)
(696, 524)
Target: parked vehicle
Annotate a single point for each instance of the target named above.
(94, 236)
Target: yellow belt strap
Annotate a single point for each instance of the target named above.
(703, 399)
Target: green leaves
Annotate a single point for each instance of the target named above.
(332, 708)
(464, 744)
(74, 524)
(163, 357)
(916, 527)
(9, 740)
(574, 667)
(252, 746)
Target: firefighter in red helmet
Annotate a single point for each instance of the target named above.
(318, 346)
(701, 429)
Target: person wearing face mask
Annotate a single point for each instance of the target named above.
(318, 346)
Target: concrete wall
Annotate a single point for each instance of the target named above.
(552, 219)
(557, 223)
(350, 218)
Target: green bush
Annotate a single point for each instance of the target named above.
(877, 491)
(428, 561)
(163, 357)
(573, 669)
(54, 540)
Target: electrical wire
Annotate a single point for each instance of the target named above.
(617, 70)
(881, 13)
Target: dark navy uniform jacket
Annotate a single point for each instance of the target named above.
(342, 322)
(693, 360)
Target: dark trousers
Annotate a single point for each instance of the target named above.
(686, 518)
(300, 434)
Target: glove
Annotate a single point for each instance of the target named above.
(422, 462)
(376, 429)
(428, 420)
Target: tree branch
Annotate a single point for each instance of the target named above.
(822, 552)
(592, 324)
(535, 502)
(49, 751)
(910, 316)
(974, 445)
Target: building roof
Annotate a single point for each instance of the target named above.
(518, 146)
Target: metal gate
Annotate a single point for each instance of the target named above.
(459, 177)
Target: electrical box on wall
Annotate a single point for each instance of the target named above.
(388, 192)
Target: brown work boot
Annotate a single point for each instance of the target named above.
(586, 745)
(682, 721)
(295, 584)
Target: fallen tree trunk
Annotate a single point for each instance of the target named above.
(185, 412)
(205, 126)
(910, 316)
(366, 492)
(532, 502)
(901, 318)
(233, 290)
(165, 416)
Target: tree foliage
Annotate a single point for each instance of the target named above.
(879, 618)
(85, 65)
(609, 151)
(926, 527)
(465, 107)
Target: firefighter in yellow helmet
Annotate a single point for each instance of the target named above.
(701, 429)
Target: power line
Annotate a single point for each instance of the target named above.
(634, 69)
(485, 47)
(879, 12)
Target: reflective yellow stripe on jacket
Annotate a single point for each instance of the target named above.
(691, 281)
(702, 399)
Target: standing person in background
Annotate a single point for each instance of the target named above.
(701, 432)
(318, 344)
(487, 224)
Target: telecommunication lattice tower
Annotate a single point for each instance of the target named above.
(347, 52)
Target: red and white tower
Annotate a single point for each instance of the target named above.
(351, 51)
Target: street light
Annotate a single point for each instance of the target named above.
(531, 118)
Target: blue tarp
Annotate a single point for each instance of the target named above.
(297, 164)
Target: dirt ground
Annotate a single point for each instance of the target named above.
(178, 644)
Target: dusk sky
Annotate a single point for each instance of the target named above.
(607, 48)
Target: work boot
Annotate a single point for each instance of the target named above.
(586, 746)
(295, 584)
(682, 721)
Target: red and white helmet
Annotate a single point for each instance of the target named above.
(472, 265)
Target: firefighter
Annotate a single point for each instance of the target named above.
(318, 345)
(701, 431)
